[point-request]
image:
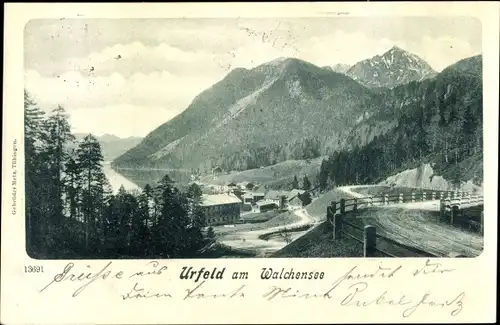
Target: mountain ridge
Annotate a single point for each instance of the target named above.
(285, 99)
(112, 146)
(281, 110)
(394, 67)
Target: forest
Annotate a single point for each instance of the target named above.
(71, 211)
(441, 124)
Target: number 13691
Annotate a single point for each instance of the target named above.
(33, 269)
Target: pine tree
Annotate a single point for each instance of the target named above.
(55, 154)
(73, 187)
(323, 175)
(295, 183)
(306, 184)
(89, 158)
(35, 169)
(210, 235)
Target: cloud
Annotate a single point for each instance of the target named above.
(343, 47)
(75, 90)
(131, 82)
(121, 120)
(443, 51)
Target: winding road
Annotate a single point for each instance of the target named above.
(408, 223)
(249, 239)
(413, 224)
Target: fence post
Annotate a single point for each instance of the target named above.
(482, 223)
(386, 199)
(442, 210)
(452, 194)
(369, 241)
(400, 197)
(412, 197)
(441, 195)
(329, 218)
(433, 196)
(337, 224)
(371, 200)
(454, 214)
(334, 206)
(342, 206)
(355, 206)
(424, 196)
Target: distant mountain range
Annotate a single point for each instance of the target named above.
(111, 145)
(393, 68)
(291, 109)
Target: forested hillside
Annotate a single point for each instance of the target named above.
(438, 121)
(72, 213)
(281, 110)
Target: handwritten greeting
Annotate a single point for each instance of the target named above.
(354, 288)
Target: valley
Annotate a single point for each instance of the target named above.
(252, 165)
(390, 119)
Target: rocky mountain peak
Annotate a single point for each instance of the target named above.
(393, 68)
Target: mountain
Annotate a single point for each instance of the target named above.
(436, 121)
(284, 109)
(393, 68)
(111, 145)
(339, 68)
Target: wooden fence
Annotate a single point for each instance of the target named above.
(452, 201)
(452, 210)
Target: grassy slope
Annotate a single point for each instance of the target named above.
(319, 243)
(277, 176)
(317, 208)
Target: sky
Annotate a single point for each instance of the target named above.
(128, 76)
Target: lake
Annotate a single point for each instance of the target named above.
(138, 178)
(116, 179)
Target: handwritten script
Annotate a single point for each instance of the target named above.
(356, 287)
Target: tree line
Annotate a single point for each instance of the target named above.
(71, 211)
(441, 124)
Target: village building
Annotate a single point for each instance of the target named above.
(278, 197)
(221, 209)
(247, 198)
(216, 172)
(252, 197)
(258, 196)
(264, 206)
(293, 197)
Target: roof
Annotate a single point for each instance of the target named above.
(219, 199)
(265, 202)
(273, 194)
(294, 193)
(253, 194)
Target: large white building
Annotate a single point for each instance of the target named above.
(221, 208)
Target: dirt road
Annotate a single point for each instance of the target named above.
(249, 239)
(415, 224)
